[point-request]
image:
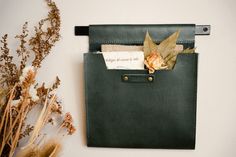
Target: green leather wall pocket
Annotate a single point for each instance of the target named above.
(134, 109)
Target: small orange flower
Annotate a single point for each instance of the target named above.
(154, 62)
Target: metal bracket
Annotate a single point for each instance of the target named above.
(202, 30)
(199, 30)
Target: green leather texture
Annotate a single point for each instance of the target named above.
(137, 113)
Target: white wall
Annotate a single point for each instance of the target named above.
(216, 112)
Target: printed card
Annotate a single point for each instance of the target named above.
(124, 60)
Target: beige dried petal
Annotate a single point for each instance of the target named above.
(154, 62)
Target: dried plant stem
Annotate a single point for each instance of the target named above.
(42, 119)
(16, 121)
(51, 148)
(12, 130)
(54, 152)
(38, 125)
(17, 135)
(5, 117)
(7, 107)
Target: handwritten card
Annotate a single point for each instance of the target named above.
(124, 60)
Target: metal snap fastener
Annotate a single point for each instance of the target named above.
(150, 78)
(125, 78)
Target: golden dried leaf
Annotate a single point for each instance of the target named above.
(167, 49)
(168, 45)
(188, 50)
(170, 60)
(148, 45)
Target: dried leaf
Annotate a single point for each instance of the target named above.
(148, 45)
(167, 49)
(170, 60)
(168, 45)
(188, 50)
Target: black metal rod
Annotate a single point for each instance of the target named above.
(199, 30)
(81, 30)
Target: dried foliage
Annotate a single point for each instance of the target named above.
(19, 92)
(8, 70)
(68, 124)
(45, 38)
(22, 50)
(164, 55)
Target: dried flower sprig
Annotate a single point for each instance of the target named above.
(19, 92)
(45, 38)
(68, 124)
(8, 70)
(22, 50)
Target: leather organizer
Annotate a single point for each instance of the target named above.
(140, 112)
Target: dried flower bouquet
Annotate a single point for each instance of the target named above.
(20, 94)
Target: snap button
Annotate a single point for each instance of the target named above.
(150, 78)
(125, 78)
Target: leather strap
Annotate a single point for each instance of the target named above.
(137, 78)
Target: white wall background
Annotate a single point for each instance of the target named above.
(216, 112)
